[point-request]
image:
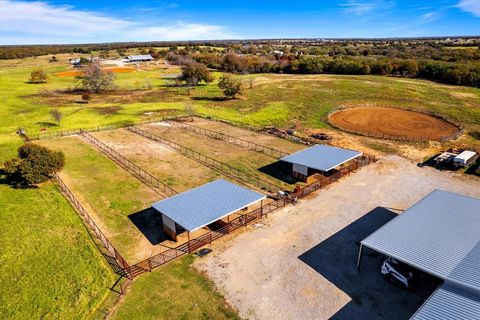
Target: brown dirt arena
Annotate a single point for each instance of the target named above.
(392, 123)
(74, 73)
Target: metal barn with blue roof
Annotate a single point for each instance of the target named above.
(204, 205)
(321, 158)
(439, 235)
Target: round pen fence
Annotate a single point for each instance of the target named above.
(400, 137)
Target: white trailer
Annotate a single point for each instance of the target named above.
(465, 158)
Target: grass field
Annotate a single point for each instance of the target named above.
(177, 171)
(51, 269)
(288, 99)
(40, 224)
(248, 135)
(237, 157)
(107, 191)
(175, 291)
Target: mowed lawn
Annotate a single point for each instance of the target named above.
(304, 101)
(108, 192)
(51, 269)
(175, 291)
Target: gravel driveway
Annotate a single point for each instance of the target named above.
(301, 263)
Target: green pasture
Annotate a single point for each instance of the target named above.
(174, 291)
(53, 268)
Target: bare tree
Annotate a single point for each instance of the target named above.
(95, 79)
(57, 115)
(38, 76)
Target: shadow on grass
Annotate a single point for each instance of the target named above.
(475, 135)
(3, 177)
(206, 98)
(280, 170)
(47, 124)
(14, 184)
(149, 222)
(371, 297)
(474, 169)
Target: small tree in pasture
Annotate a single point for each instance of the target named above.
(35, 164)
(95, 79)
(86, 97)
(57, 115)
(230, 86)
(194, 73)
(38, 76)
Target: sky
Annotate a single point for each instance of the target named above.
(85, 21)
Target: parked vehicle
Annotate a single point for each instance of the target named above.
(465, 159)
(398, 272)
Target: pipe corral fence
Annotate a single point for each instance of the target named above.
(113, 256)
(402, 138)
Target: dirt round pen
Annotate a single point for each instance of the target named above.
(393, 124)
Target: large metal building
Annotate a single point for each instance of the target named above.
(439, 235)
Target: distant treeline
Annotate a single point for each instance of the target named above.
(458, 73)
(452, 61)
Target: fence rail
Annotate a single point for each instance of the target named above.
(225, 169)
(138, 172)
(303, 140)
(207, 238)
(66, 133)
(114, 258)
(231, 139)
(404, 138)
(250, 217)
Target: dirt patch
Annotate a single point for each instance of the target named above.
(108, 110)
(76, 73)
(168, 166)
(249, 135)
(459, 94)
(72, 73)
(301, 264)
(391, 122)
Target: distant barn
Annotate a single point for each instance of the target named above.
(140, 58)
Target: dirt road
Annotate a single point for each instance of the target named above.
(301, 263)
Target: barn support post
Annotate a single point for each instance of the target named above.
(359, 260)
(228, 224)
(261, 208)
(188, 235)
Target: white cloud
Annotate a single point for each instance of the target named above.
(430, 16)
(41, 22)
(471, 6)
(363, 7)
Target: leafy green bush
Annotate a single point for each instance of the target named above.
(35, 164)
(230, 86)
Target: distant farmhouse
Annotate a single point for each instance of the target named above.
(140, 58)
(79, 62)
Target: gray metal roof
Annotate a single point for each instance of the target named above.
(440, 235)
(322, 157)
(450, 303)
(140, 57)
(208, 203)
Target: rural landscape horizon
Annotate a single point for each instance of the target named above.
(240, 160)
